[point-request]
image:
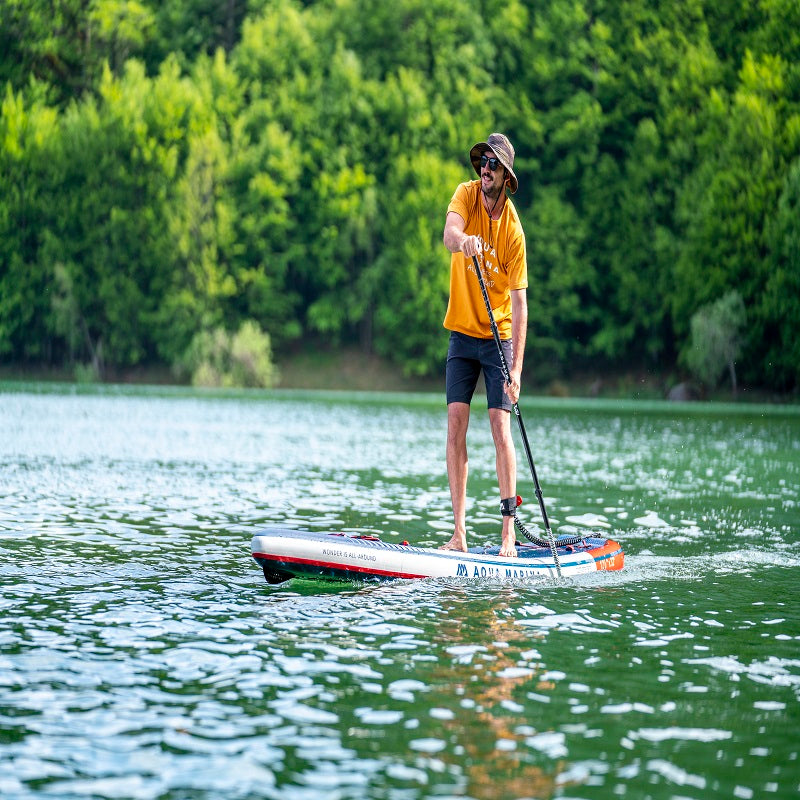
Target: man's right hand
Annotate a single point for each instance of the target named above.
(471, 246)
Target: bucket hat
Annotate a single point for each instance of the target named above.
(502, 148)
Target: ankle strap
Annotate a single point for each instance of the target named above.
(508, 506)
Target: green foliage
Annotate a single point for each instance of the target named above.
(218, 358)
(407, 284)
(716, 339)
(193, 28)
(728, 205)
(200, 224)
(120, 29)
(28, 142)
(48, 42)
(109, 192)
(632, 209)
(561, 282)
(184, 166)
(778, 308)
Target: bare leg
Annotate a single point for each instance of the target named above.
(457, 469)
(500, 421)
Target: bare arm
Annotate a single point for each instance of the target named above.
(455, 240)
(519, 331)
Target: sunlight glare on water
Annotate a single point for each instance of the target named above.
(143, 656)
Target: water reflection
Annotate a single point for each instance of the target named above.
(494, 748)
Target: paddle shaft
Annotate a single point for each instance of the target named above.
(515, 407)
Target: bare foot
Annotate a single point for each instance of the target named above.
(508, 550)
(457, 542)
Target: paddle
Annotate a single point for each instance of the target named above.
(507, 376)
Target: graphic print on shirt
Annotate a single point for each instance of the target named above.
(488, 267)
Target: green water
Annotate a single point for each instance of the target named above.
(143, 656)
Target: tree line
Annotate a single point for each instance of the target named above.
(184, 180)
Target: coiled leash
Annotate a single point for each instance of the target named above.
(508, 508)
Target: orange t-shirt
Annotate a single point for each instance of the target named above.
(503, 262)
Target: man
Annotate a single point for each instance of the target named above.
(482, 221)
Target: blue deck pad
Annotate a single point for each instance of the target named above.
(532, 551)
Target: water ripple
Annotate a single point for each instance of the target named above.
(142, 656)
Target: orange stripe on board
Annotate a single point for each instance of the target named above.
(609, 557)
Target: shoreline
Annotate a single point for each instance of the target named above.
(351, 370)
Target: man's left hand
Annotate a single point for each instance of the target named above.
(513, 389)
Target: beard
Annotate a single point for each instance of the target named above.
(492, 193)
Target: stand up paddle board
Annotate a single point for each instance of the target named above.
(284, 553)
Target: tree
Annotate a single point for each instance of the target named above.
(190, 29)
(728, 203)
(29, 139)
(716, 339)
(409, 279)
(50, 43)
(562, 282)
(201, 229)
(111, 182)
(777, 310)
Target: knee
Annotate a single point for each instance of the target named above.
(457, 422)
(503, 440)
(501, 429)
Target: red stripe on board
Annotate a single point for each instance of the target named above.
(339, 567)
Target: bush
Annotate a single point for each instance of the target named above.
(218, 358)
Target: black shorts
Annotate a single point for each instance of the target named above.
(466, 356)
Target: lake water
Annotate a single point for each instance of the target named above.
(142, 655)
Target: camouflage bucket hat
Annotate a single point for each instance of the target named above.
(502, 148)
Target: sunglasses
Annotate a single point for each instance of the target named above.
(493, 163)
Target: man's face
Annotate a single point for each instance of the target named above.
(492, 180)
